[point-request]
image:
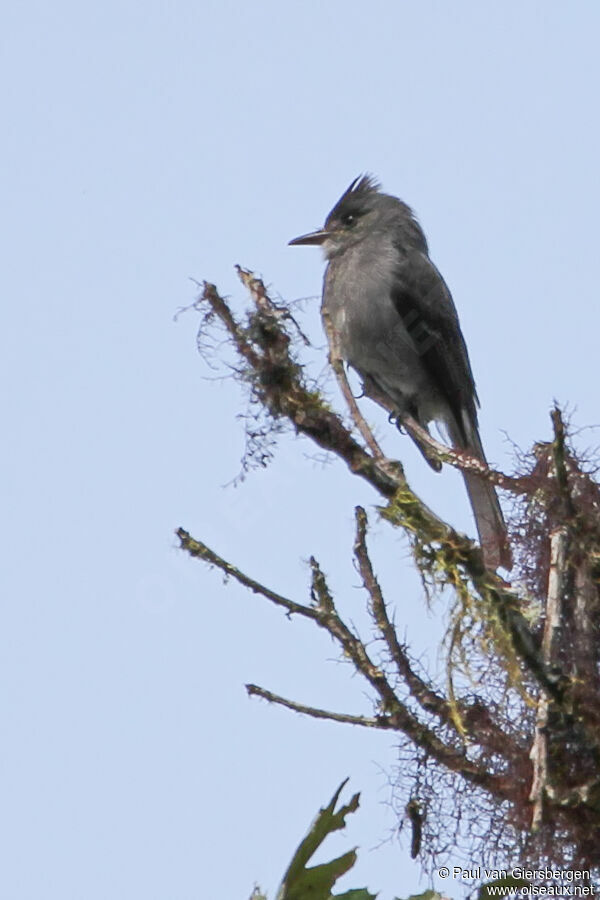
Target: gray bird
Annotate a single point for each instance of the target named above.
(396, 325)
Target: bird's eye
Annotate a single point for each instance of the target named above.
(348, 219)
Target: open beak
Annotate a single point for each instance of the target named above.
(315, 237)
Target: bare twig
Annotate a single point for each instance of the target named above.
(421, 691)
(337, 364)
(201, 551)
(462, 460)
(398, 715)
(562, 804)
(281, 389)
(365, 721)
(319, 589)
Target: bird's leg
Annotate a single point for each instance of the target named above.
(428, 455)
(396, 416)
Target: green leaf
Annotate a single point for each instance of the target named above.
(358, 894)
(316, 882)
(426, 895)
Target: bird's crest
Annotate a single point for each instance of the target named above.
(355, 199)
(364, 184)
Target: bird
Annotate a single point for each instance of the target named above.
(396, 325)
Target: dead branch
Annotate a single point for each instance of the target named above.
(325, 615)
(200, 550)
(462, 460)
(366, 721)
(539, 750)
(556, 661)
(429, 699)
(280, 386)
(337, 364)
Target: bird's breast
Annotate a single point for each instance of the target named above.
(371, 335)
(357, 297)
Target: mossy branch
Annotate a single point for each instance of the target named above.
(556, 665)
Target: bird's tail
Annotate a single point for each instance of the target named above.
(489, 520)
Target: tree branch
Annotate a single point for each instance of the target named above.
(462, 460)
(420, 690)
(424, 694)
(200, 550)
(325, 615)
(279, 385)
(539, 749)
(365, 721)
(337, 364)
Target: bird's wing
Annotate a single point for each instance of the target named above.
(423, 301)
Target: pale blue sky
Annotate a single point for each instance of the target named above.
(147, 143)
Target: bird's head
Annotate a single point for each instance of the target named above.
(361, 210)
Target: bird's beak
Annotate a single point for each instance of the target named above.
(315, 237)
